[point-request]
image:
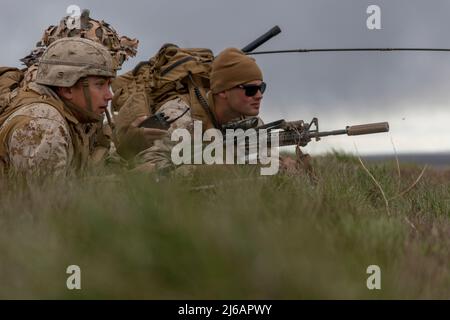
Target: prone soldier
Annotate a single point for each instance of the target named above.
(47, 128)
(236, 92)
(120, 48)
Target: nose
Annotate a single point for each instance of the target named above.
(108, 94)
(258, 95)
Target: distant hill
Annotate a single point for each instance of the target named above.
(441, 159)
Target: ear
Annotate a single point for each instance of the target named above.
(66, 93)
(222, 94)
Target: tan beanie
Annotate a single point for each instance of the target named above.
(232, 67)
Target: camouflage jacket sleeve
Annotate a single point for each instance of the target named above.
(129, 139)
(40, 141)
(159, 155)
(101, 141)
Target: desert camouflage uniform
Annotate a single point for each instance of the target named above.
(38, 138)
(120, 48)
(40, 133)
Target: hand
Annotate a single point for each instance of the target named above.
(137, 139)
(149, 134)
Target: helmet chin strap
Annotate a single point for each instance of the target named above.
(84, 115)
(87, 94)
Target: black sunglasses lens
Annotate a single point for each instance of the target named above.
(263, 87)
(251, 90)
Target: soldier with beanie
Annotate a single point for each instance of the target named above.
(237, 89)
(237, 86)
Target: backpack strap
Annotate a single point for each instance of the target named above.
(203, 102)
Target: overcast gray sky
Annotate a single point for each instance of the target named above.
(411, 90)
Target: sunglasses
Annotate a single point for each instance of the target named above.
(252, 89)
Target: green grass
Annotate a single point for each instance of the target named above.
(228, 234)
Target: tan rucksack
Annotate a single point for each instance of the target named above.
(10, 79)
(173, 72)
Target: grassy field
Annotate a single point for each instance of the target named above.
(226, 234)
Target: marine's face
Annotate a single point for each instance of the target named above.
(99, 89)
(243, 104)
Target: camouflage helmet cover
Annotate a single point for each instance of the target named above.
(101, 32)
(67, 60)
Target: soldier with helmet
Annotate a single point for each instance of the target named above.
(47, 128)
(120, 48)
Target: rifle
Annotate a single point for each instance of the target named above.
(301, 133)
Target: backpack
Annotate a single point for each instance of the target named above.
(173, 72)
(10, 79)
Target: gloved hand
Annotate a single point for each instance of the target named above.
(301, 164)
(136, 139)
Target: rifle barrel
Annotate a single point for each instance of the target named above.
(328, 133)
(356, 130)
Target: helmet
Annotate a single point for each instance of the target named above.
(101, 32)
(67, 60)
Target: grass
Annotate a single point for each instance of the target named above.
(225, 233)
